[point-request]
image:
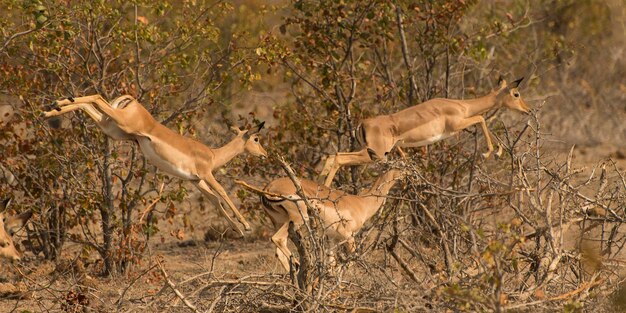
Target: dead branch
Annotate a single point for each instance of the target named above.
(176, 291)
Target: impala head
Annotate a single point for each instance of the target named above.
(9, 224)
(251, 138)
(510, 96)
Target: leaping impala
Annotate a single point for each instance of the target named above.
(342, 214)
(424, 124)
(185, 158)
(9, 224)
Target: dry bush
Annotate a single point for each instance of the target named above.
(528, 231)
(531, 231)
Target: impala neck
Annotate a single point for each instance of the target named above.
(227, 152)
(483, 104)
(376, 195)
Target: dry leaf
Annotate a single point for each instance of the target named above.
(142, 20)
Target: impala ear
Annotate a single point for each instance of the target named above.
(256, 129)
(238, 131)
(501, 83)
(14, 223)
(253, 130)
(516, 83)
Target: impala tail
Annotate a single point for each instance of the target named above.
(267, 198)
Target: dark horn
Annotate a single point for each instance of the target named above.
(253, 130)
(516, 83)
(5, 204)
(257, 129)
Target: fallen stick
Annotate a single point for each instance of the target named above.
(176, 291)
(585, 286)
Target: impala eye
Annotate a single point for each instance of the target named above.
(256, 139)
(516, 95)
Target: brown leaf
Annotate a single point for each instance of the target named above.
(142, 20)
(180, 234)
(504, 299)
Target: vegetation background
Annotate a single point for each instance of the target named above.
(538, 229)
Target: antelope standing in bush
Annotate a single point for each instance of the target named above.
(9, 224)
(343, 214)
(424, 124)
(174, 154)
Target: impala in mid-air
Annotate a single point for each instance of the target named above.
(126, 119)
(424, 124)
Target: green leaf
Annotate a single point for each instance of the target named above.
(41, 19)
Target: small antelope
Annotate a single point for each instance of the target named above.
(9, 224)
(424, 124)
(343, 214)
(188, 159)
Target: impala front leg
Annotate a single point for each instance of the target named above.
(222, 193)
(476, 120)
(328, 165)
(497, 141)
(216, 202)
(343, 159)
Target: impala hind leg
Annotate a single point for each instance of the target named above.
(87, 107)
(124, 122)
(282, 251)
(72, 100)
(333, 164)
(106, 124)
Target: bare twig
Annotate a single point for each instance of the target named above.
(176, 291)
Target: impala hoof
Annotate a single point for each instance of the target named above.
(498, 154)
(54, 122)
(295, 264)
(53, 106)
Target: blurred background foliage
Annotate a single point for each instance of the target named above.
(312, 69)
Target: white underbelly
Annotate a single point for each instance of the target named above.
(406, 143)
(176, 168)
